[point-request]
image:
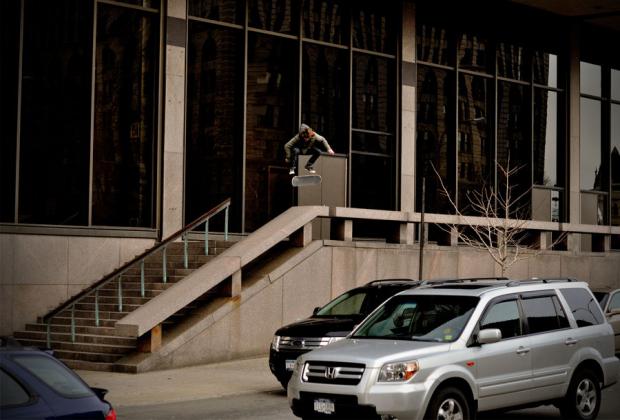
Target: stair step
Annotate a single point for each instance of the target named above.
(114, 315)
(66, 328)
(86, 365)
(58, 336)
(87, 356)
(77, 347)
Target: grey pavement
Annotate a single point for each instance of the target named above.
(185, 384)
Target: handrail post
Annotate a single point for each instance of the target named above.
(142, 278)
(185, 259)
(120, 295)
(97, 307)
(165, 266)
(207, 237)
(73, 323)
(226, 223)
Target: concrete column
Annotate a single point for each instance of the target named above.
(574, 190)
(408, 105)
(174, 117)
(342, 230)
(303, 236)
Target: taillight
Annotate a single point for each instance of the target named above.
(111, 415)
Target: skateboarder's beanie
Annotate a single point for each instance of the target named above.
(304, 128)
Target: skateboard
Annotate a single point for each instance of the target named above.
(303, 180)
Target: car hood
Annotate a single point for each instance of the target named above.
(320, 327)
(375, 352)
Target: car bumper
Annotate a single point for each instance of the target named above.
(277, 362)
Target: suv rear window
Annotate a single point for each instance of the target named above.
(584, 307)
(544, 314)
(54, 374)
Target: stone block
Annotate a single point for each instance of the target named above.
(395, 263)
(440, 264)
(90, 259)
(31, 301)
(40, 260)
(6, 309)
(545, 265)
(352, 267)
(577, 267)
(475, 263)
(305, 287)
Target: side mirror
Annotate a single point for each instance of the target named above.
(316, 310)
(488, 336)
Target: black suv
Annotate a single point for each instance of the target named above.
(330, 323)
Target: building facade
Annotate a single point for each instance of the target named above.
(124, 120)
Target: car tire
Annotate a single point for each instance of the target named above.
(448, 403)
(583, 398)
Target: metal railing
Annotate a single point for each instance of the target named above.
(117, 274)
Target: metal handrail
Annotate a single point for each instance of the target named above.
(117, 273)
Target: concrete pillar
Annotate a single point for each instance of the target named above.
(303, 236)
(408, 113)
(151, 341)
(573, 170)
(174, 117)
(342, 230)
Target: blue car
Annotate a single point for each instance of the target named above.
(35, 385)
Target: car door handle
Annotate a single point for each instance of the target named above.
(523, 350)
(571, 341)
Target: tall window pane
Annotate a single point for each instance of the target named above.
(9, 51)
(545, 137)
(545, 69)
(325, 93)
(214, 109)
(373, 187)
(590, 145)
(434, 138)
(473, 53)
(615, 164)
(373, 93)
(374, 26)
(274, 15)
(475, 139)
(590, 79)
(55, 114)
(326, 20)
(433, 44)
(511, 61)
(231, 11)
(124, 138)
(615, 85)
(271, 122)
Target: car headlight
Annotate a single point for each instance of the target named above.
(398, 372)
(298, 366)
(275, 343)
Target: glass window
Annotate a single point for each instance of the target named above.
(590, 79)
(373, 143)
(325, 81)
(372, 182)
(505, 317)
(12, 392)
(615, 85)
(433, 44)
(615, 164)
(349, 303)
(374, 26)
(473, 53)
(54, 374)
(326, 20)
(545, 137)
(584, 307)
(230, 11)
(274, 15)
(435, 138)
(590, 145)
(373, 93)
(614, 303)
(511, 62)
(545, 69)
(124, 136)
(214, 109)
(55, 112)
(541, 315)
(475, 135)
(271, 122)
(9, 51)
(154, 4)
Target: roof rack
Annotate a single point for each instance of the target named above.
(514, 283)
(395, 280)
(463, 280)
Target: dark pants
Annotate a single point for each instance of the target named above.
(314, 151)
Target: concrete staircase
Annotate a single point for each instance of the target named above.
(97, 347)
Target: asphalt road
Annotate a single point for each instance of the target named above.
(272, 405)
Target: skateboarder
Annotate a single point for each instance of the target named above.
(306, 142)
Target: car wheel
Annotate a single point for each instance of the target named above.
(448, 404)
(583, 398)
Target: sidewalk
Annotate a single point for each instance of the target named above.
(185, 384)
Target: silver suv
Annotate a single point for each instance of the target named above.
(451, 349)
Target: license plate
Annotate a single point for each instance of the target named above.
(289, 364)
(324, 406)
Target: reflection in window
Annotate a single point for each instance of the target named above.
(615, 85)
(374, 26)
(55, 113)
(433, 44)
(373, 143)
(513, 140)
(511, 61)
(505, 317)
(214, 108)
(124, 138)
(9, 51)
(472, 53)
(154, 4)
(271, 122)
(542, 316)
(590, 79)
(324, 94)
(434, 139)
(545, 137)
(324, 20)
(474, 122)
(373, 90)
(615, 164)
(274, 15)
(545, 69)
(372, 182)
(230, 11)
(590, 145)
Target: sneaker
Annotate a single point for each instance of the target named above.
(291, 171)
(310, 169)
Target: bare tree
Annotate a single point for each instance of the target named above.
(498, 221)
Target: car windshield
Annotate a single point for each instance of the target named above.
(358, 301)
(54, 374)
(419, 318)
